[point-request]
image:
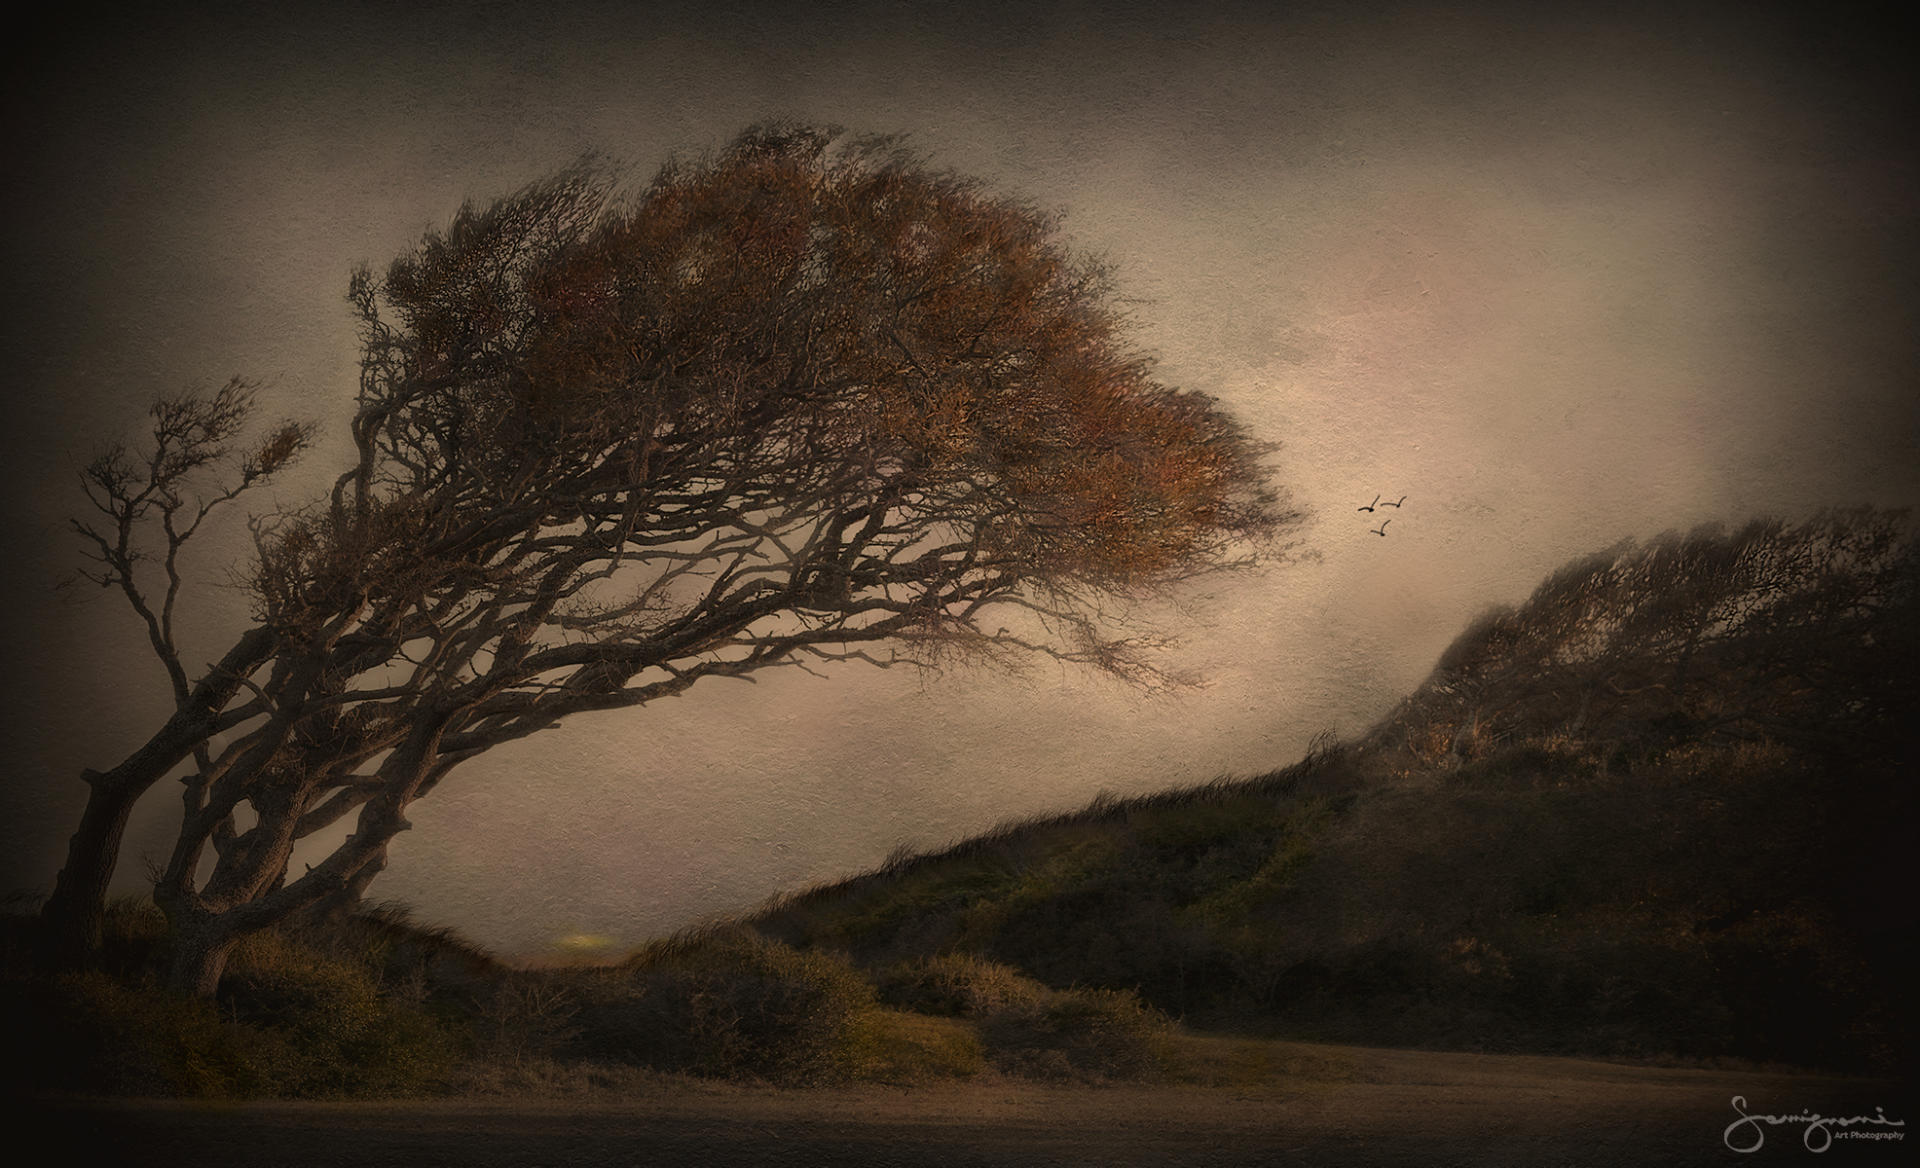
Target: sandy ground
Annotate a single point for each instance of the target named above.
(1341, 1106)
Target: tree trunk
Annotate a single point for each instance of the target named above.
(75, 915)
(205, 928)
(337, 906)
(200, 950)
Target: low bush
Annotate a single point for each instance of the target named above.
(1086, 1035)
(343, 1036)
(526, 1015)
(90, 1032)
(729, 1004)
(287, 1021)
(410, 961)
(899, 1046)
(957, 985)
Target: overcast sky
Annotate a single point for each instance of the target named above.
(1558, 279)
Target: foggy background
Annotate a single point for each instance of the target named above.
(1558, 279)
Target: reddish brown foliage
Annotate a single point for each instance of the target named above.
(795, 399)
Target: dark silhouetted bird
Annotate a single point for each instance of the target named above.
(1369, 506)
(1402, 499)
(1382, 529)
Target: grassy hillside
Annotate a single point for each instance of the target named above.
(1661, 809)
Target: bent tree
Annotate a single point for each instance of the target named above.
(803, 400)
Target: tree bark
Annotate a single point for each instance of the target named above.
(75, 915)
(339, 905)
(240, 897)
(200, 948)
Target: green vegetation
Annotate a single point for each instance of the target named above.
(1029, 1029)
(342, 1013)
(1659, 811)
(374, 1006)
(728, 1004)
(1164, 896)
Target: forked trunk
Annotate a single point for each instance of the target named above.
(74, 917)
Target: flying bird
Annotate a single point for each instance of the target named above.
(1382, 529)
(1402, 499)
(1369, 506)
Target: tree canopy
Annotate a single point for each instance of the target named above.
(805, 399)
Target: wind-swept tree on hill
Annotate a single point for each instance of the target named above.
(805, 400)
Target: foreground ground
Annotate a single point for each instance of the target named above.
(1321, 1105)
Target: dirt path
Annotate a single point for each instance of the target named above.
(1341, 1106)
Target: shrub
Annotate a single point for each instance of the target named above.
(526, 1016)
(412, 962)
(897, 1046)
(958, 985)
(133, 938)
(730, 1004)
(286, 1022)
(1088, 1035)
(89, 1032)
(344, 1037)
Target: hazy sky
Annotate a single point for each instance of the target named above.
(1559, 279)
